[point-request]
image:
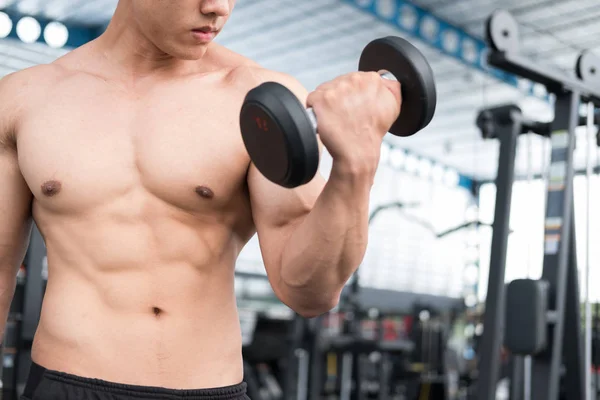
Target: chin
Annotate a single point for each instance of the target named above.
(184, 51)
(191, 53)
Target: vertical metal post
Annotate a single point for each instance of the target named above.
(303, 368)
(316, 361)
(546, 367)
(517, 384)
(591, 147)
(573, 346)
(509, 128)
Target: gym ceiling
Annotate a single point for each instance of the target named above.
(316, 40)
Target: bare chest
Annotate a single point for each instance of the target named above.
(89, 147)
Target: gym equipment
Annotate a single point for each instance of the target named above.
(586, 68)
(564, 347)
(502, 31)
(356, 353)
(522, 332)
(266, 358)
(526, 360)
(505, 124)
(525, 331)
(280, 133)
(596, 336)
(582, 66)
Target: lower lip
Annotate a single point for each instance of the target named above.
(203, 36)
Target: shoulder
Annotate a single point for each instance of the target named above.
(254, 75)
(19, 89)
(29, 80)
(246, 74)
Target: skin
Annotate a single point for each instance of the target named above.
(111, 150)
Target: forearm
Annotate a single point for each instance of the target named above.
(329, 244)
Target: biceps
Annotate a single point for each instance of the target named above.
(273, 205)
(277, 210)
(15, 211)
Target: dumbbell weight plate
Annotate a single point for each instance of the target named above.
(411, 69)
(279, 136)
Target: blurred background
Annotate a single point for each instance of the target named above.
(430, 241)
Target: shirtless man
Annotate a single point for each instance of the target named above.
(128, 155)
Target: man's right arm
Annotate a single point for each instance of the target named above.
(15, 196)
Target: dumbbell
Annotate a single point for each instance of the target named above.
(280, 133)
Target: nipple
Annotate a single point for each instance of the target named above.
(51, 188)
(205, 192)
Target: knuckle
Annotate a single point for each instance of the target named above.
(320, 88)
(312, 98)
(356, 78)
(317, 99)
(345, 86)
(373, 76)
(330, 96)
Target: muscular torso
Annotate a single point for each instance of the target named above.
(140, 193)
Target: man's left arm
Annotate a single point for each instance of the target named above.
(312, 238)
(315, 236)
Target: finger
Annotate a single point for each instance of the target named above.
(312, 98)
(317, 97)
(395, 89)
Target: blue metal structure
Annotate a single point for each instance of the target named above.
(78, 34)
(462, 181)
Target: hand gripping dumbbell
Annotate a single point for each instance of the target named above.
(280, 133)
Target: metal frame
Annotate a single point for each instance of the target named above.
(507, 122)
(554, 80)
(565, 333)
(560, 262)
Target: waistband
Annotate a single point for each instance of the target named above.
(37, 374)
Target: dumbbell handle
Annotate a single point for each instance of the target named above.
(313, 117)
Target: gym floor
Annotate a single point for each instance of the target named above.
(415, 326)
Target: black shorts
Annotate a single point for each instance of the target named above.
(44, 384)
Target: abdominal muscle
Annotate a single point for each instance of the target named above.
(147, 303)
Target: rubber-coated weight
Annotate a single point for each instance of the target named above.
(411, 69)
(588, 68)
(502, 32)
(279, 136)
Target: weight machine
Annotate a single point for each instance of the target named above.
(315, 354)
(338, 356)
(539, 319)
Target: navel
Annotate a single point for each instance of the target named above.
(157, 311)
(51, 188)
(205, 192)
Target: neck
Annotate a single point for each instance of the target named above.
(125, 46)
